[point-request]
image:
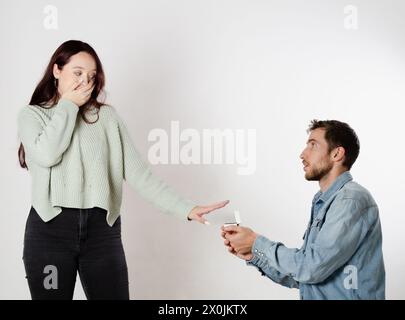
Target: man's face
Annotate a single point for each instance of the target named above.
(316, 156)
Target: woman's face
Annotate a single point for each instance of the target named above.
(81, 68)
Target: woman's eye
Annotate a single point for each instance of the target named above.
(78, 74)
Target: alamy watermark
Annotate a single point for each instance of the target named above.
(351, 20)
(211, 146)
(350, 282)
(51, 17)
(51, 280)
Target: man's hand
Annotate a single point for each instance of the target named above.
(239, 241)
(199, 211)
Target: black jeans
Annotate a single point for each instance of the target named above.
(77, 240)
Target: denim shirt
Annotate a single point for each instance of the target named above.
(341, 257)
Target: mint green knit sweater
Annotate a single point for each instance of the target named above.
(79, 165)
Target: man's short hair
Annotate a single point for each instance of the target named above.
(339, 134)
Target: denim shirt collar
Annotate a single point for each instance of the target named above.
(340, 181)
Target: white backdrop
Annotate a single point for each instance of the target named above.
(271, 66)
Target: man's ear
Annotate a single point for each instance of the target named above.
(338, 154)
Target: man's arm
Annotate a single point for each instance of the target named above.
(248, 237)
(342, 232)
(273, 274)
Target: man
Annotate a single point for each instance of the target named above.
(341, 257)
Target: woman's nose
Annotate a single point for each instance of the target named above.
(82, 81)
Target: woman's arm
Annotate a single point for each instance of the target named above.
(46, 144)
(139, 176)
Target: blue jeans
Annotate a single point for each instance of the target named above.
(77, 240)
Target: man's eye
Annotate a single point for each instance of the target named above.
(78, 74)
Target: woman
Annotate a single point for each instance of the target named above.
(78, 152)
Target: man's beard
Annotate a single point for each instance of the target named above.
(318, 173)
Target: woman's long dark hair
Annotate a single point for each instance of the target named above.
(46, 93)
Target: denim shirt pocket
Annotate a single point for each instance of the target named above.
(316, 225)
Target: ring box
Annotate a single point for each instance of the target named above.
(237, 220)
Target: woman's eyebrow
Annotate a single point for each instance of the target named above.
(78, 67)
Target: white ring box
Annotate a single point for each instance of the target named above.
(237, 220)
